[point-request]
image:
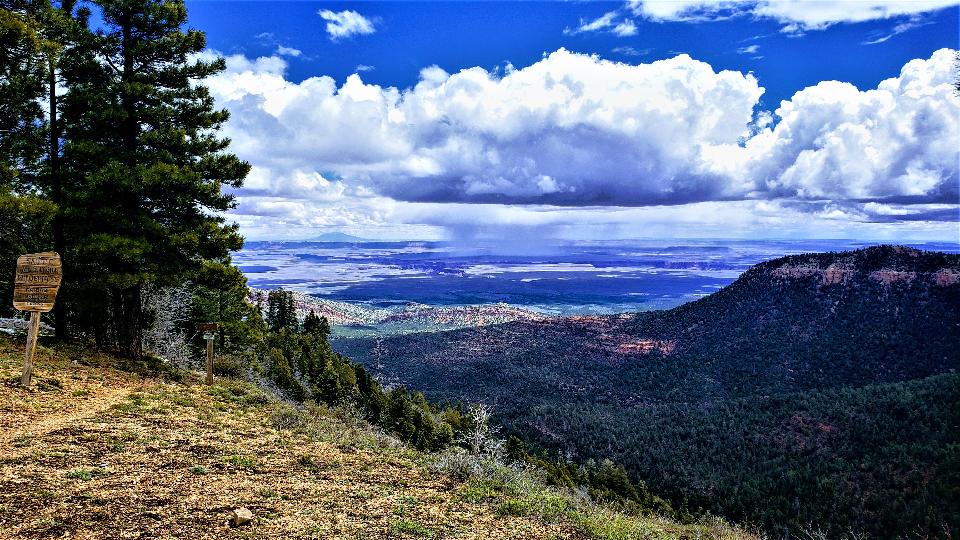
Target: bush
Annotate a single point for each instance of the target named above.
(287, 418)
(232, 366)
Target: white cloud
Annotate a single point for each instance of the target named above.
(574, 130)
(631, 51)
(833, 141)
(625, 28)
(750, 49)
(913, 22)
(796, 15)
(608, 22)
(346, 23)
(288, 51)
(603, 22)
(363, 67)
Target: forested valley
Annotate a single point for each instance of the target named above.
(816, 389)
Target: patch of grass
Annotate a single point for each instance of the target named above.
(82, 474)
(268, 493)
(513, 507)
(478, 490)
(22, 441)
(81, 392)
(46, 495)
(220, 393)
(412, 528)
(239, 392)
(48, 523)
(136, 402)
(404, 504)
(198, 470)
(241, 461)
(554, 506)
(180, 400)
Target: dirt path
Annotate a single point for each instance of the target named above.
(63, 393)
(75, 412)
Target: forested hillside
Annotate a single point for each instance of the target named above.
(814, 389)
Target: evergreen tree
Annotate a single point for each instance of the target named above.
(220, 295)
(24, 214)
(281, 311)
(62, 27)
(21, 90)
(314, 324)
(147, 165)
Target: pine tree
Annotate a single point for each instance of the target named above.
(21, 91)
(282, 312)
(220, 295)
(146, 164)
(62, 26)
(314, 324)
(24, 214)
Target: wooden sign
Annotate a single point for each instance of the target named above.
(208, 327)
(37, 281)
(35, 289)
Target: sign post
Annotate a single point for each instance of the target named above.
(208, 330)
(35, 290)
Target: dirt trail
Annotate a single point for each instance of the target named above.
(74, 413)
(62, 394)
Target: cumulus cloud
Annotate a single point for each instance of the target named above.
(346, 23)
(575, 130)
(795, 15)
(897, 142)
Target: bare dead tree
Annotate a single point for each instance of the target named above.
(167, 337)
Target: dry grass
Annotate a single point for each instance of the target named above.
(89, 451)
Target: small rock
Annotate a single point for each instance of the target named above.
(241, 516)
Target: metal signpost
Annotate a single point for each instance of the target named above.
(34, 290)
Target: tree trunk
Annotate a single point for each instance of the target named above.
(128, 304)
(128, 322)
(56, 189)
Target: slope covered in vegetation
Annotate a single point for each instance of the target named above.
(816, 389)
(99, 447)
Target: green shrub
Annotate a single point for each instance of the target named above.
(513, 507)
(412, 528)
(287, 418)
(231, 365)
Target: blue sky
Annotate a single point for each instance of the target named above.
(594, 119)
(455, 35)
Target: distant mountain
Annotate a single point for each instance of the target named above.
(816, 388)
(339, 237)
